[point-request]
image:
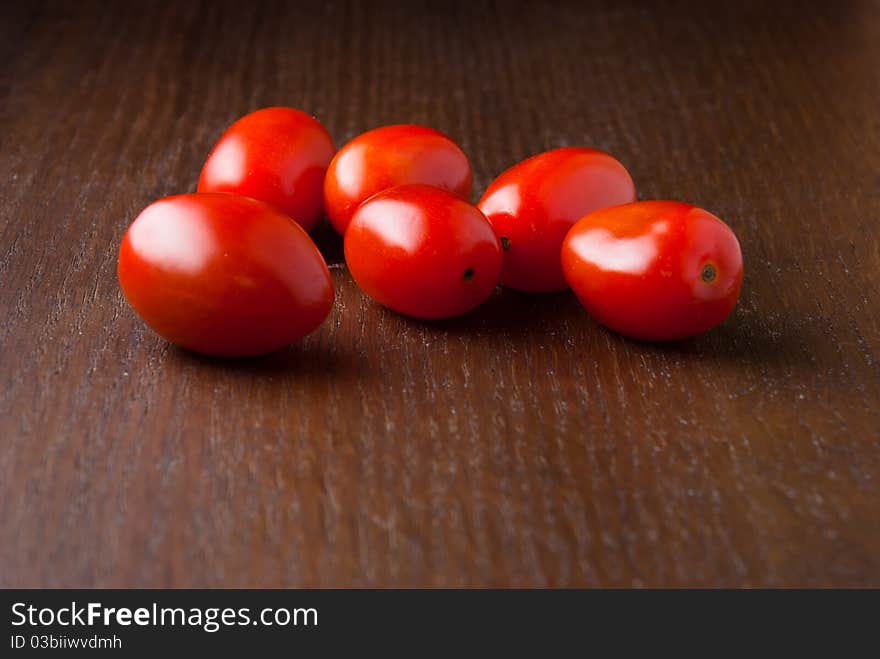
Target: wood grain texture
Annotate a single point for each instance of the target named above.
(521, 445)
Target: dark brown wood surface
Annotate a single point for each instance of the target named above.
(521, 445)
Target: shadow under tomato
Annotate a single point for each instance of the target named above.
(506, 310)
(329, 242)
(748, 336)
(307, 358)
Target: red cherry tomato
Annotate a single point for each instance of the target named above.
(223, 274)
(654, 270)
(423, 252)
(390, 156)
(276, 155)
(532, 206)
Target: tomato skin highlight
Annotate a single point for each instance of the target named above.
(277, 155)
(532, 205)
(389, 156)
(654, 270)
(423, 252)
(223, 275)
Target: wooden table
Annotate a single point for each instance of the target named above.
(520, 445)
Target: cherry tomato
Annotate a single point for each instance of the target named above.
(390, 156)
(533, 204)
(423, 252)
(223, 274)
(276, 155)
(654, 270)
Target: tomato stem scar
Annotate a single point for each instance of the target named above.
(708, 273)
(505, 243)
(468, 274)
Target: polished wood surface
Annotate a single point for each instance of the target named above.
(520, 445)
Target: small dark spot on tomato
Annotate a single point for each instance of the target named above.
(708, 273)
(505, 243)
(468, 274)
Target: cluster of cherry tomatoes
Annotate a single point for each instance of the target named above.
(232, 271)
